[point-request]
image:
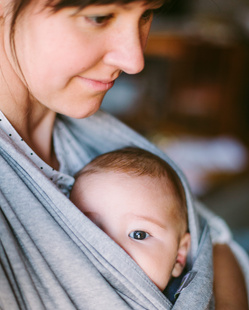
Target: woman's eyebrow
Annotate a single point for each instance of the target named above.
(156, 4)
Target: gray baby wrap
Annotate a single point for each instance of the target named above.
(53, 257)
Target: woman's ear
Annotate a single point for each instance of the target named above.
(182, 254)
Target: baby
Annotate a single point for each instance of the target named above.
(138, 200)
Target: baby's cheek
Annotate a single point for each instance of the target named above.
(156, 262)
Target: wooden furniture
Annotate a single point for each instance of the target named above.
(206, 84)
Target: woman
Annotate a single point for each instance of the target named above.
(62, 57)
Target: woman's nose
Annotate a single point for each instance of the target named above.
(126, 50)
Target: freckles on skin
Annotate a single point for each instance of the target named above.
(69, 62)
(58, 49)
(53, 56)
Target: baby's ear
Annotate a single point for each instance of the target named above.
(182, 254)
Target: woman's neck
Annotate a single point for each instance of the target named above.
(34, 123)
(38, 134)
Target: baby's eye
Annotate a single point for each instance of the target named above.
(139, 235)
(99, 20)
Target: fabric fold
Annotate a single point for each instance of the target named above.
(53, 257)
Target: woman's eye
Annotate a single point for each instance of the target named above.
(99, 20)
(147, 15)
(139, 235)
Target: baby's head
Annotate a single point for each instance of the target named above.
(138, 200)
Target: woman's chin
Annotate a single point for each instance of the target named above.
(80, 107)
(83, 113)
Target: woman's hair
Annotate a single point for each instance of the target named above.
(137, 162)
(56, 5)
(18, 7)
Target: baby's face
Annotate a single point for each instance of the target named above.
(137, 213)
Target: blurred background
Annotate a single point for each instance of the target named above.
(192, 100)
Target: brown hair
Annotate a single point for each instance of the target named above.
(56, 5)
(138, 162)
(18, 7)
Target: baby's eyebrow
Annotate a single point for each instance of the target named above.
(148, 219)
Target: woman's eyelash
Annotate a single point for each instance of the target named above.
(103, 19)
(147, 15)
(99, 20)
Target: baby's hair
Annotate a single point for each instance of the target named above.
(137, 162)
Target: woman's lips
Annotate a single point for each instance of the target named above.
(97, 85)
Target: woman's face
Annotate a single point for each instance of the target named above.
(71, 58)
